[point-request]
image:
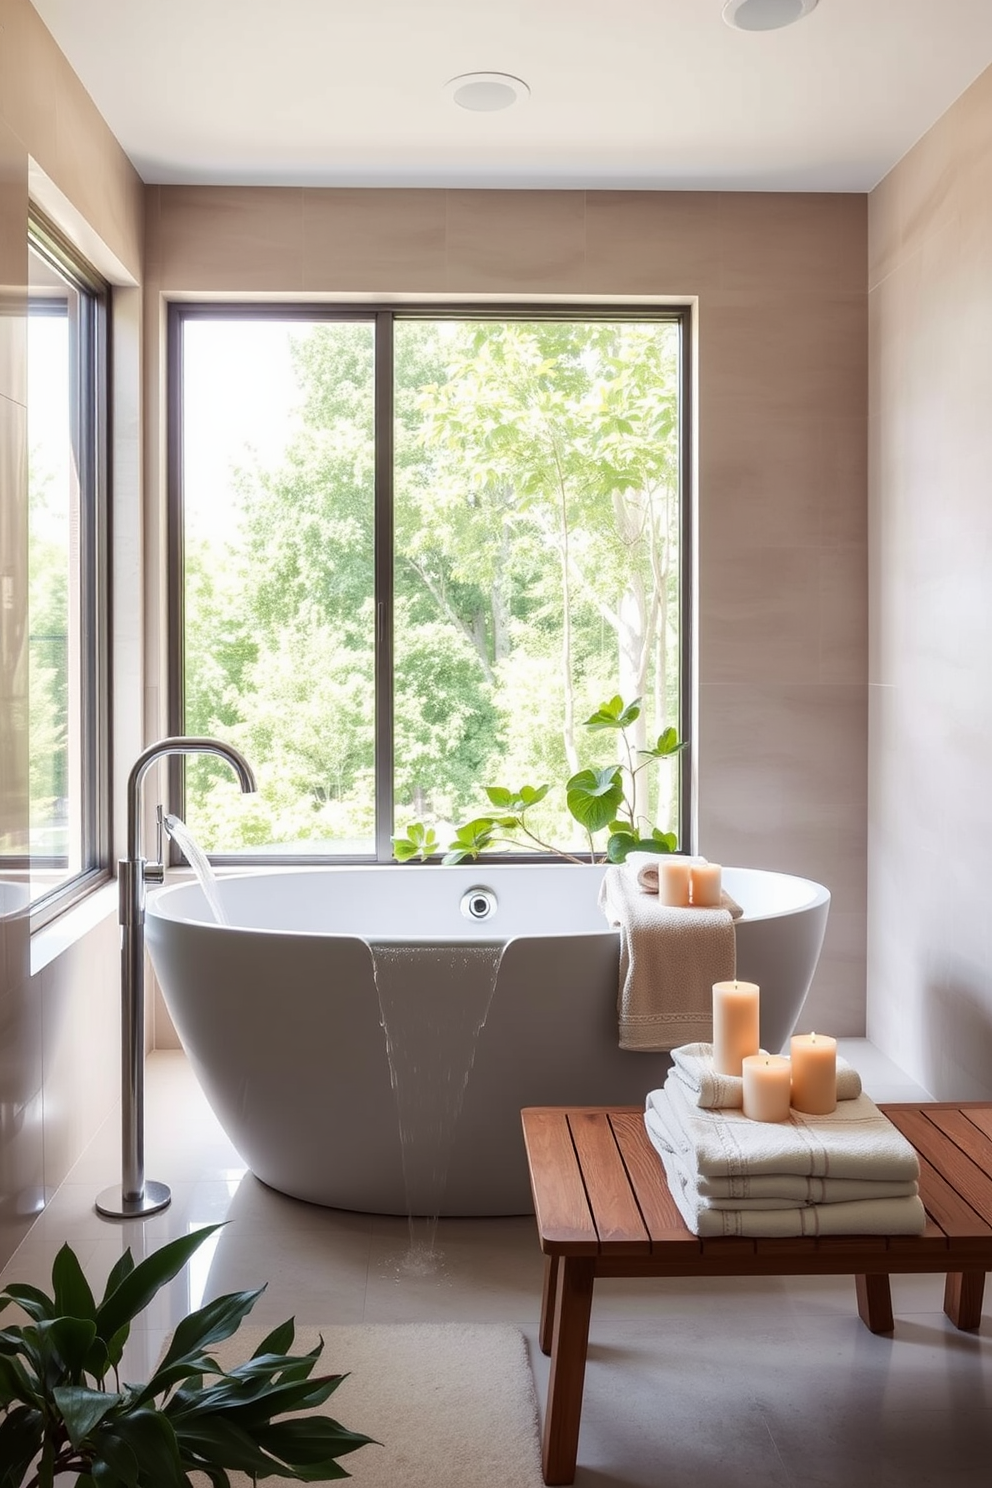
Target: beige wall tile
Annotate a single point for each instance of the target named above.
(374, 241)
(790, 354)
(930, 818)
(21, 1127)
(506, 242)
(228, 239)
(793, 242)
(758, 488)
(27, 101)
(843, 576)
(756, 623)
(653, 242)
(13, 266)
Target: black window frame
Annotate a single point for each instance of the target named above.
(382, 317)
(91, 433)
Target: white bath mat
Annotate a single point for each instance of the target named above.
(453, 1404)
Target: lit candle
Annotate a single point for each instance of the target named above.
(673, 883)
(767, 1087)
(705, 883)
(735, 1025)
(814, 1073)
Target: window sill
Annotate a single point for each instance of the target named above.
(54, 939)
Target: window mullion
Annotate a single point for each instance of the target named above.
(384, 383)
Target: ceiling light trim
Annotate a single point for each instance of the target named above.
(486, 92)
(765, 15)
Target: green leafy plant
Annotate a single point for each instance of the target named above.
(64, 1410)
(599, 799)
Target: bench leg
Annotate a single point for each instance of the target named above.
(573, 1306)
(875, 1302)
(548, 1298)
(963, 1292)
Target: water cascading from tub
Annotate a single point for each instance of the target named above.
(431, 1053)
(198, 861)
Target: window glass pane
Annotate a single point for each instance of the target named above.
(536, 562)
(57, 386)
(278, 485)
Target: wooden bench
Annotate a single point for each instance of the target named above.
(603, 1209)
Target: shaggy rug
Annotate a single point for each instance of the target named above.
(453, 1404)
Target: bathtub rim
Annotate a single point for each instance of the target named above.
(160, 899)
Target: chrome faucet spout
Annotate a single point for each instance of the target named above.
(134, 1197)
(178, 744)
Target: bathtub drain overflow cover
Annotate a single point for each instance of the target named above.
(478, 903)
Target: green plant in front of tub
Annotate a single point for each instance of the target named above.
(599, 799)
(64, 1410)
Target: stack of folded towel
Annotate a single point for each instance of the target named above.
(848, 1173)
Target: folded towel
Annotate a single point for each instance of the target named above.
(693, 1065)
(669, 960)
(769, 1190)
(884, 1216)
(853, 1141)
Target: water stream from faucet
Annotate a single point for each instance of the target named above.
(199, 862)
(431, 1050)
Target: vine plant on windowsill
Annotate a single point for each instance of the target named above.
(599, 799)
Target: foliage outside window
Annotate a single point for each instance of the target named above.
(485, 509)
(66, 363)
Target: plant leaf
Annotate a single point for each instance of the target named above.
(210, 1324)
(83, 1409)
(21, 1437)
(138, 1288)
(71, 1338)
(667, 744)
(16, 1383)
(592, 796)
(72, 1294)
(118, 1271)
(153, 1441)
(31, 1300)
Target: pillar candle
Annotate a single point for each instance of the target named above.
(767, 1087)
(705, 883)
(673, 883)
(814, 1073)
(735, 1025)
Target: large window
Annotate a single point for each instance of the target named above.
(413, 552)
(67, 592)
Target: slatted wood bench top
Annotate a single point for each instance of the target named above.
(603, 1208)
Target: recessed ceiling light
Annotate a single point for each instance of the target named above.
(485, 92)
(765, 15)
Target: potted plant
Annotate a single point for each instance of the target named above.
(599, 799)
(64, 1409)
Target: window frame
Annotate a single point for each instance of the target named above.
(382, 317)
(92, 402)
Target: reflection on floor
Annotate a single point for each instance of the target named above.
(717, 1384)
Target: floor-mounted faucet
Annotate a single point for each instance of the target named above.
(135, 1196)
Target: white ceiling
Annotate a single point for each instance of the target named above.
(624, 93)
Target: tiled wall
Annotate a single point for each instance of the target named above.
(930, 823)
(59, 1029)
(780, 285)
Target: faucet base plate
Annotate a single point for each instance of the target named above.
(112, 1203)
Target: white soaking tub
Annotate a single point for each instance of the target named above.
(283, 1020)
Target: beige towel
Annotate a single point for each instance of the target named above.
(669, 960)
(872, 1216)
(853, 1141)
(693, 1065)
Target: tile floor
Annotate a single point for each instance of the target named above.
(718, 1384)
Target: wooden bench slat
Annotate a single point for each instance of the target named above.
(952, 1187)
(660, 1214)
(980, 1117)
(977, 1147)
(560, 1204)
(614, 1209)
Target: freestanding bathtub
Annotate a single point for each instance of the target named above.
(287, 1028)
